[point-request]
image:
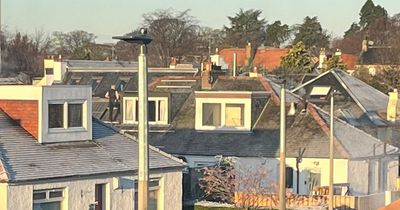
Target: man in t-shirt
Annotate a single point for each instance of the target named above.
(113, 98)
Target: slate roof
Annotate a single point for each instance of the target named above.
(110, 152)
(370, 101)
(380, 56)
(95, 64)
(304, 130)
(356, 142)
(109, 78)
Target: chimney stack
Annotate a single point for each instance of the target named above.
(248, 53)
(322, 58)
(364, 45)
(392, 106)
(206, 76)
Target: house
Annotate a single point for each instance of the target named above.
(357, 103)
(54, 155)
(100, 75)
(263, 58)
(201, 120)
(349, 60)
(375, 58)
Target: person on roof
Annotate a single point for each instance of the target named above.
(113, 98)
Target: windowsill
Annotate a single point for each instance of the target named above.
(67, 130)
(152, 124)
(224, 129)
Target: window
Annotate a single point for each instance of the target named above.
(47, 199)
(223, 115)
(95, 82)
(320, 92)
(234, 115)
(49, 71)
(74, 115)
(157, 110)
(65, 114)
(56, 115)
(154, 186)
(289, 177)
(121, 84)
(211, 114)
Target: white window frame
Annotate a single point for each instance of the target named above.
(48, 199)
(156, 99)
(246, 102)
(65, 115)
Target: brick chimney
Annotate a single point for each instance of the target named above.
(206, 76)
(364, 45)
(322, 58)
(248, 53)
(392, 106)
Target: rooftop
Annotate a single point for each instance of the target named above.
(23, 159)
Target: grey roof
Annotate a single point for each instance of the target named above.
(303, 131)
(369, 100)
(93, 64)
(355, 141)
(109, 152)
(380, 55)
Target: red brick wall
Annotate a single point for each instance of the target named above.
(25, 112)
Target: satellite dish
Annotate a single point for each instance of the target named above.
(370, 43)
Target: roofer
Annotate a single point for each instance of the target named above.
(113, 98)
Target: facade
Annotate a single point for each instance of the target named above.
(239, 117)
(53, 155)
(357, 103)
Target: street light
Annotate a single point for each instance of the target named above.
(142, 39)
(331, 128)
(282, 153)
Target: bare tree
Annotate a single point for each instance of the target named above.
(75, 44)
(174, 33)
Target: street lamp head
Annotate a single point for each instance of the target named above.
(143, 38)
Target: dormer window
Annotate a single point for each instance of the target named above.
(65, 115)
(157, 110)
(121, 83)
(95, 82)
(223, 113)
(320, 92)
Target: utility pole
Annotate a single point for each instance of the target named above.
(331, 154)
(143, 39)
(282, 154)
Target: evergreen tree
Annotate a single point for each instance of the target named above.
(354, 28)
(369, 13)
(297, 60)
(311, 34)
(245, 26)
(276, 34)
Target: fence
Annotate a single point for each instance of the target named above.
(368, 202)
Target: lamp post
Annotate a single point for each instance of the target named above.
(282, 153)
(331, 153)
(143, 39)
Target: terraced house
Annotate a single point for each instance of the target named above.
(54, 155)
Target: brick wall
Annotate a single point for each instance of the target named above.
(24, 112)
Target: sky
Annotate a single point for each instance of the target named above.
(107, 18)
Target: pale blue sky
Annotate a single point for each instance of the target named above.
(106, 18)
